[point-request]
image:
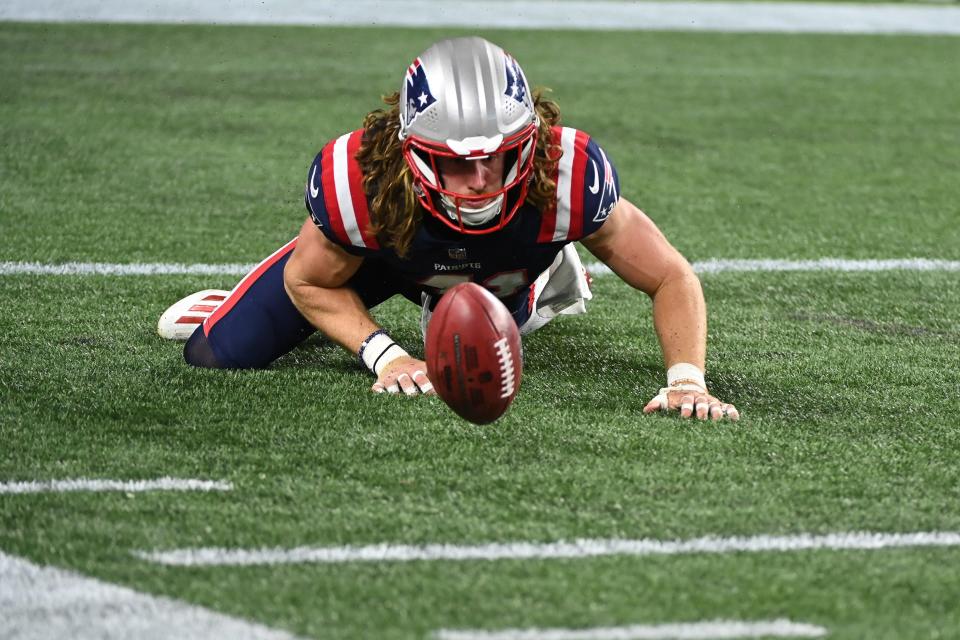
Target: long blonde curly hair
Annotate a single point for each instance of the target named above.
(395, 211)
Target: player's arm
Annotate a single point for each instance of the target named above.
(315, 278)
(635, 249)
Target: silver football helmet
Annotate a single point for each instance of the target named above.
(467, 98)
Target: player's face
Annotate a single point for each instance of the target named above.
(472, 177)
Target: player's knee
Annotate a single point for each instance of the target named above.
(197, 351)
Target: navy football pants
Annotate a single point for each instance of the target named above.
(258, 323)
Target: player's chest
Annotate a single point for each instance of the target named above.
(504, 264)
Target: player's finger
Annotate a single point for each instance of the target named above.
(702, 407)
(731, 412)
(393, 388)
(406, 383)
(686, 406)
(378, 388)
(422, 381)
(660, 402)
(716, 411)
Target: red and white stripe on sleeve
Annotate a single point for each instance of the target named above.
(564, 220)
(343, 194)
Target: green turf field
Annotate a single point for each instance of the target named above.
(124, 144)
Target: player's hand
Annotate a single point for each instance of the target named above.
(404, 375)
(692, 403)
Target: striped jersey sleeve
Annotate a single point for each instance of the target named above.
(335, 198)
(588, 189)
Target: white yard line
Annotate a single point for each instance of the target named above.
(595, 268)
(509, 14)
(123, 269)
(127, 486)
(45, 603)
(822, 264)
(212, 556)
(827, 264)
(713, 629)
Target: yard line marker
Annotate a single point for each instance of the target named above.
(821, 264)
(789, 17)
(47, 602)
(779, 628)
(127, 486)
(131, 269)
(827, 264)
(214, 556)
(595, 268)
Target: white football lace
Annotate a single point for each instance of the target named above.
(506, 368)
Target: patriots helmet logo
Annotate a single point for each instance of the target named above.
(418, 92)
(516, 82)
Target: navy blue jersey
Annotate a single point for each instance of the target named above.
(505, 262)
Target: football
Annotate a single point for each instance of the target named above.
(473, 353)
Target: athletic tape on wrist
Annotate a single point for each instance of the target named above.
(379, 350)
(684, 373)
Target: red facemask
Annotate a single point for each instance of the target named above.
(455, 209)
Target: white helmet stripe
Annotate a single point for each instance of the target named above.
(344, 198)
(481, 91)
(565, 184)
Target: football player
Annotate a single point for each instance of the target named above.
(466, 176)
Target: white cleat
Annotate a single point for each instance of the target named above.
(184, 316)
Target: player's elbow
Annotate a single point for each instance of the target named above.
(295, 284)
(680, 276)
(312, 299)
(680, 269)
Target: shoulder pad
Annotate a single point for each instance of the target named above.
(588, 189)
(334, 194)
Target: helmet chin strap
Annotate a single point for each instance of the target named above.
(472, 216)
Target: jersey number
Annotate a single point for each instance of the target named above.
(502, 285)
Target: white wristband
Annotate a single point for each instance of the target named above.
(684, 372)
(379, 350)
